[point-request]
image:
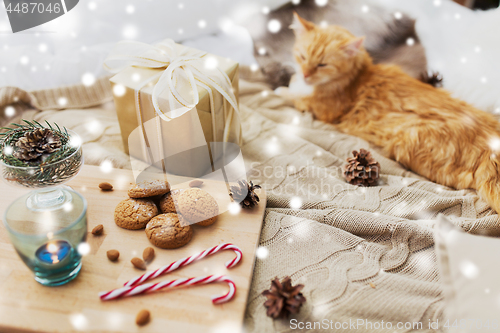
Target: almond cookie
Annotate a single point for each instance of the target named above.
(198, 206)
(168, 201)
(134, 214)
(149, 188)
(166, 231)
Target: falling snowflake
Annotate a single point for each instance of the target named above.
(272, 148)
(8, 150)
(398, 15)
(296, 203)
(129, 32)
(265, 10)
(180, 6)
(484, 79)
(130, 9)
(75, 141)
(79, 321)
(274, 26)
(262, 252)
(469, 269)
(295, 2)
(254, 67)
(10, 111)
(83, 248)
(321, 3)
(42, 47)
(211, 63)
(365, 9)
(410, 41)
(92, 5)
(24, 60)
(477, 49)
(234, 208)
(68, 207)
(457, 16)
(202, 24)
(62, 101)
(119, 90)
(262, 50)
(495, 144)
(437, 3)
(88, 79)
(106, 166)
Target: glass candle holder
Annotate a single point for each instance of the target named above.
(49, 242)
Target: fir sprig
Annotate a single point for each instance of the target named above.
(49, 172)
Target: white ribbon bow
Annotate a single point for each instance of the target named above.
(183, 66)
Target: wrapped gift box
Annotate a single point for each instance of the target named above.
(194, 130)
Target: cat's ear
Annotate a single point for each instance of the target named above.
(300, 25)
(353, 47)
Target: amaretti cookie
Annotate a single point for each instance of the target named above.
(134, 214)
(167, 201)
(166, 231)
(149, 188)
(198, 206)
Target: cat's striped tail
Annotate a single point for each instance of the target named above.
(487, 178)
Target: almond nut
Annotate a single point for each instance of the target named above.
(196, 183)
(97, 229)
(148, 254)
(113, 255)
(105, 186)
(142, 317)
(138, 263)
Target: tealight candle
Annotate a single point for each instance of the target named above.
(54, 252)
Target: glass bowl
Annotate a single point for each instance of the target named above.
(46, 179)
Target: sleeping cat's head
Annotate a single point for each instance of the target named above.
(328, 53)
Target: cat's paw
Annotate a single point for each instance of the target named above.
(301, 105)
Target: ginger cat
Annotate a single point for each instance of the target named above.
(422, 127)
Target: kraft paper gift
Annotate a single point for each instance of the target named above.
(175, 105)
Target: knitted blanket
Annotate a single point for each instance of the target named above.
(365, 255)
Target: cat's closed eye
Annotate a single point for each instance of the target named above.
(321, 65)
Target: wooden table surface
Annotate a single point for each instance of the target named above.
(26, 306)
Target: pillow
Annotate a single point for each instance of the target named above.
(470, 275)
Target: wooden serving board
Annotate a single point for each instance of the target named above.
(26, 306)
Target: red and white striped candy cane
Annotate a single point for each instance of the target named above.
(186, 261)
(150, 287)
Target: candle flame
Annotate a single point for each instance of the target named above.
(52, 248)
(55, 259)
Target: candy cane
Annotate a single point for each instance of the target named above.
(186, 261)
(150, 287)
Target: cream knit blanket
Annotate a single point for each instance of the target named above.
(365, 255)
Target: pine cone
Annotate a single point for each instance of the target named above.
(36, 143)
(434, 79)
(283, 298)
(362, 169)
(244, 194)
